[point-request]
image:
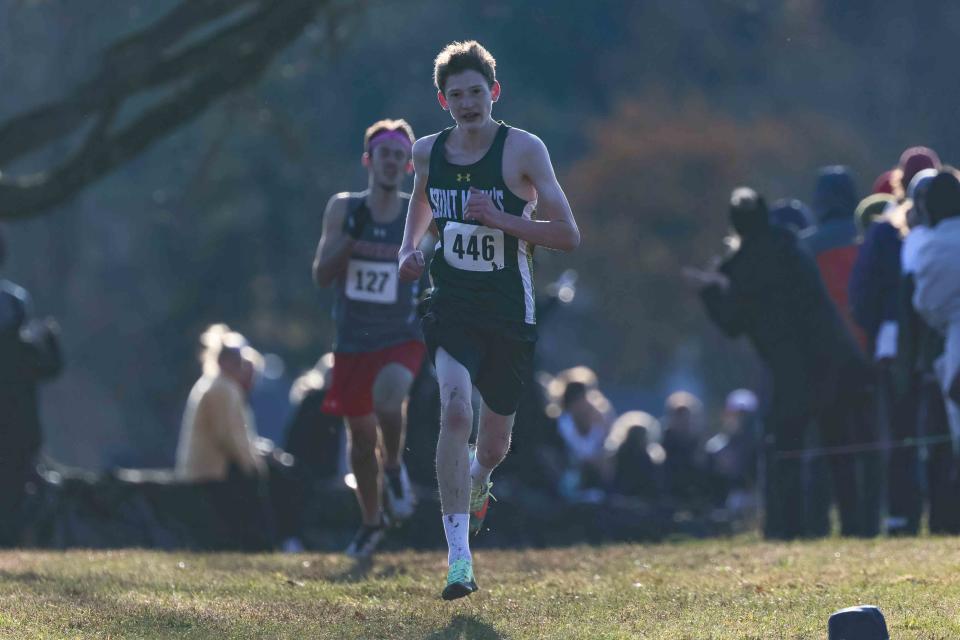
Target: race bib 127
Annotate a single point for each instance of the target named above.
(369, 281)
(473, 247)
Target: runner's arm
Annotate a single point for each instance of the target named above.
(419, 214)
(335, 246)
(554, 227)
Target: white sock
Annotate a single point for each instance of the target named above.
(456, 526)
(478, 472)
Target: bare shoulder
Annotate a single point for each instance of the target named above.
(524, 143)
(337, 204)
(341, 198)
(422, 149)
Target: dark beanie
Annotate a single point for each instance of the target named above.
(835, 194)
(943, 197)
(748, 211)
(791, 214)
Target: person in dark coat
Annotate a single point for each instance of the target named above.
(770, 291)
(29, 354)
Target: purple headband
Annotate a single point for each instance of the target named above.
(389, 134)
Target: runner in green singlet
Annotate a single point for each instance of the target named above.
(493, 194)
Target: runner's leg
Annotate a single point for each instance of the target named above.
(453, 470)
(493, 442)
(365, 461)
(390, 390)
(456, 422)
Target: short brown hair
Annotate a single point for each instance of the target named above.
(387, 125)
(463, 56)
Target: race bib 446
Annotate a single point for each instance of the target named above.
(472, 247)
(369, 281)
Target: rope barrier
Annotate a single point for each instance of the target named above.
(863, 447)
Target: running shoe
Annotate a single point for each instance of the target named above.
(366, 540)
(460, 580)
(398, 497)
(479, 500)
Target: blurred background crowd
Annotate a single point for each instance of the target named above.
(644, 411)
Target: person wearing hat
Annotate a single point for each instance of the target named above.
(29, 354)
(912, 161)
(920, 405)
(833, 242)
(937, 294)
(872, 209)
(875, 277)
(770, 291)
(883, 183)
(791, 214)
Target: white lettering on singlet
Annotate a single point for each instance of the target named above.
(450, 204)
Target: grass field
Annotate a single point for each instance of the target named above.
(737, 588)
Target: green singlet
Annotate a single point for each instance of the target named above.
(481, 276)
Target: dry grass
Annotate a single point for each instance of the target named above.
(714, 589)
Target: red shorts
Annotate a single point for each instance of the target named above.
(350, 392)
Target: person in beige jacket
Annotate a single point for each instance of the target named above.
(218, 428)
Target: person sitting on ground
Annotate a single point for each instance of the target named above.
(583, 427)
(313, 436)
(683, 468)
(637, 456)
(218, 430)
(732, 452)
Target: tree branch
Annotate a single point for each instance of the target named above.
(205, 69)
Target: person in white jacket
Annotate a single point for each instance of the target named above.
(937, 273)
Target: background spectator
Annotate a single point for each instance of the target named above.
(937, 295)
(770, 291)
(312, 436)
(683, 445)
(919, 399)
(833, 242)
(218, 430)
(29, 354)
(583, 426)
(732, 453)
(791, 214)
(871, 209)
(638, 457)
(937, 299)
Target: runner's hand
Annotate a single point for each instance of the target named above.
(411, 265)
(356, 221)
(480, 208)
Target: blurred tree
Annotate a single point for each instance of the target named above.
(196, 53)
(219, 219)
(651, 196)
